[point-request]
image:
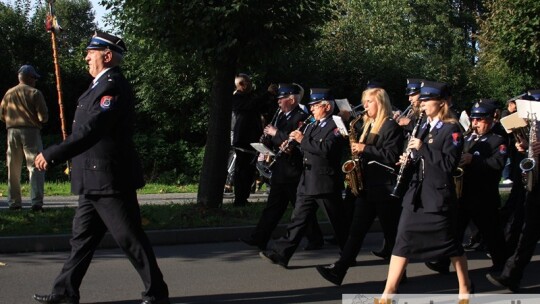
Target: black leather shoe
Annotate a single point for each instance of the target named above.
(274, 258)
(472, 243)
(381, 254)
(439, 267)
(55, 299)
(313, 246)
(503, 282)
(252, 242)
(162, 301)
(332, 273)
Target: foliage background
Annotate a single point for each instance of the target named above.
(486, 48)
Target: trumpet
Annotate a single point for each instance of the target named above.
(355, 113)
(458, 174)
(406, 113)
(397, 191)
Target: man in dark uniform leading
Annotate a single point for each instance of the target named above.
(321, 181)
(286, 170)
(106, 172)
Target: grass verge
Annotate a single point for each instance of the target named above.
(64, 189)
(154, 217)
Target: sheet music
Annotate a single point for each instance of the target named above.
(513, 121)
(464, 120)
(261, 148)
(526, 107)
(343, 105)
(341, 126)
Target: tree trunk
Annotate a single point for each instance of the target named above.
(214, 168)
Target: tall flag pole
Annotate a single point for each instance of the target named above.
(52, 26)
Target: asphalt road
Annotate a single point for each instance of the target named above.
(232, 272)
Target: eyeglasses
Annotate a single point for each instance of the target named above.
(479, 119)
(317, 105)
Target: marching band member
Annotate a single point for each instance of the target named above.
(428, 225)
(530, 233)
(321, 181)
(381, 140)
(407, 120)
(286, 171)
(482, 162)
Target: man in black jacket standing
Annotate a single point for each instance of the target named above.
(106, 172)
(321, 181)
(247, 129)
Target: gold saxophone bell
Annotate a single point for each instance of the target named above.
(458, 181)
(353, 168)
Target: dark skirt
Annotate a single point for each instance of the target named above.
(427, 236)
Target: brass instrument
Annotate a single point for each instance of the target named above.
(458, 174)
(458, 181)
(353, 168)
(397, 191)
(528, 166)
(406, 113)
(355, 113)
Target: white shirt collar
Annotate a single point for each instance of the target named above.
(100, 74)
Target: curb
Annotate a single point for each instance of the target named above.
(46, 243)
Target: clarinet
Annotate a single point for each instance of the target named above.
(290, 140)
(266, 138)
(396, 192)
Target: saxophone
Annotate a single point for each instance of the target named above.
(529, 165)
(353, 167)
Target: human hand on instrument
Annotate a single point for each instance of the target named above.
(296, 135)
(403, 121)
(466, 159)
(270, 130)
(536, 148)
(521, 145)
(414, 143)
(40, 163)
(403, 158)
(285, 147)
(357, 148)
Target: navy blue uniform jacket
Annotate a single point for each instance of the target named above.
(104, 160)
(432, 182)
(481, 177)
(288, 167)
(322, 147)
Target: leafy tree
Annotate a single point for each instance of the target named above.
(24, 40)
(391, 41)
(225, 36)
(511, 32)
(509, 58)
